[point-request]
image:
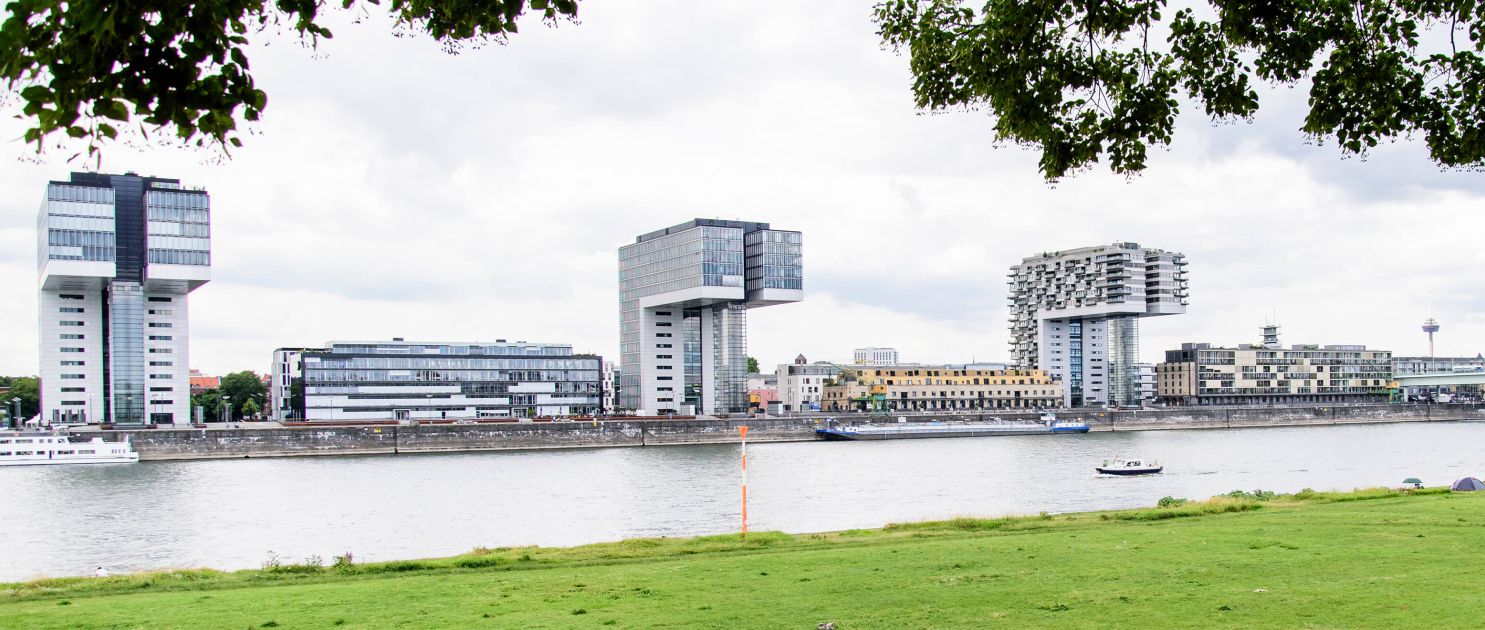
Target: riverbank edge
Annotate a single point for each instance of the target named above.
(276, 441)
(274, 572)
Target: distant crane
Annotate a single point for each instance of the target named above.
(1430, 326)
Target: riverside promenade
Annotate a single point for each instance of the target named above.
(271, 439)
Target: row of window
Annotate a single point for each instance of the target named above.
(179, 257)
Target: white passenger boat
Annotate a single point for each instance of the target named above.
(25, 448)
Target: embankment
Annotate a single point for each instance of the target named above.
(276, 441)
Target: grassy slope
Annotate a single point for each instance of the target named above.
(1384, 562)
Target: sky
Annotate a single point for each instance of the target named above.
(396, 190)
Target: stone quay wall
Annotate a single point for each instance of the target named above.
(274, 440)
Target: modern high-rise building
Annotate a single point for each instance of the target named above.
(1075, 314)
(118, 256)
(684, 292)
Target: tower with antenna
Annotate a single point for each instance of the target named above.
(1271, 336)
(1430, 326)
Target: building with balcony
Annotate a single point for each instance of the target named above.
(118, 257)
(1269, 374)
(801, 384)
(406, 380)
(684, 293)
(875, 356)
(1075, 315)
(939, 388)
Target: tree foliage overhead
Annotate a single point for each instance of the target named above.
(1089, 80)
(87, 68)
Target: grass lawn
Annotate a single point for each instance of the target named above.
(1368, 559)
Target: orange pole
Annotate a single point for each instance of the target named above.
(743, 433)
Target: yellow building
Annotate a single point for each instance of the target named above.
(939, 388)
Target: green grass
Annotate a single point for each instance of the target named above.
(1372, 558)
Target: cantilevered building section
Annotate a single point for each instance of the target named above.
(1075, 314)
(117, 257)
(684, 292)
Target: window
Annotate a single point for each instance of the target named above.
(662, 334)
(71, 336)
(160, 376)
(159, 299)
(161, 363)
(662, 345)
(74, 390)
(665, 378)
(72, 349)
(664, 389)
(663, 313)
(161, 337)
(664, 356)
(70, 309)
(158, 311)
(161, 351)
(663, 367)
(72, 363)
(162, 389)
(664, 324)
(74, 403)
(72, 376)
(155, 324)
(70, 322)
(70, 296)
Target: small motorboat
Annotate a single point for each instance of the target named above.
(1129, 467)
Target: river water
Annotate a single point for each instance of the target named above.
(229, 514)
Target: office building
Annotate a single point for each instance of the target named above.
(118, 256)
(1268, 374)
(610, 388)
(684, 292)
(875, 356)
(404, 380)
(1148, 389)
(940, 388)
(1075, 314)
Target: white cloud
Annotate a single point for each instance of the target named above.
(395, 190)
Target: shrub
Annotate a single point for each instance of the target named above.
(1170, 502)
(1256, 495)
(342, 561)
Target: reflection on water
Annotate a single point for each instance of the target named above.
(61, 520)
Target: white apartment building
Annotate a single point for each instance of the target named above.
(117, 258)
(281, 376)
(802, 384)
(874, 356)
(1075, 314)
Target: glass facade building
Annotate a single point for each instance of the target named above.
(401, 380)
(118, 256)
(684, 292)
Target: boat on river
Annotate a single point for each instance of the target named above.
(916, 430)
(28, 448)
(1128, 467)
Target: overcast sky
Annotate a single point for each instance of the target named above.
(395, 190)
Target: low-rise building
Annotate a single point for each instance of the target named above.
(1267, 374)
(201, 382)
(801, 384)
(940, 388)
(404, 380)
(875, 356)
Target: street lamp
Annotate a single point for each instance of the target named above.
(15, 418)
(226, 408)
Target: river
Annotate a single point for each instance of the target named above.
(230, 514)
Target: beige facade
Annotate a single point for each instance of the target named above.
(938, 388)
(1199, 374)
